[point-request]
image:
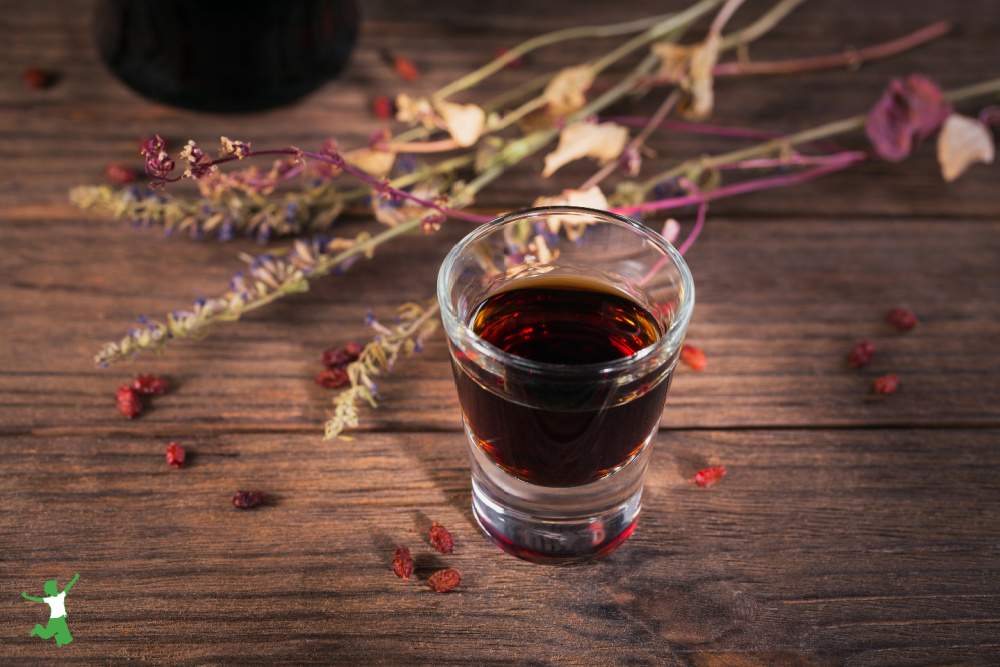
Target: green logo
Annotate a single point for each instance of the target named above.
(57, 612)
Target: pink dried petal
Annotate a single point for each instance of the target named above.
(907, 112)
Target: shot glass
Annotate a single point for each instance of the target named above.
(564, 326)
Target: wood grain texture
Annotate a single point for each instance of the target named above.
(850, 530)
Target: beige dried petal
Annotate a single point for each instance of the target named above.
(604, 142)
(413, 111)
(963, 141)
(375, 163)
(703, 59)
(464, 122)
(674, 60)
(592, 197)
(566, 91)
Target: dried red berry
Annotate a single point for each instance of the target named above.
(36, 78)
(402, 563)
(405, 68)
(441, 539)
(886, 384)
(331, 378)
(120, 174)
(341, 356)
(383, 107)
(709, 476)
(175, 455)
(513, 64)
(248, 499)
(693, 357)
(901, 318)
(128, 401)
(443, 581)
(151, 385)
(862, 354)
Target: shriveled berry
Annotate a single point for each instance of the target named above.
(405, 68)
(693, 357)
(341, 356)
(441, 539)
(331, 378)
(36, 78)
(151, 385)
(383, 107)
(128, 401)
(248, 499)
(709, 476)
(902, 319)
(862, 353)
(120, 174)
(175, 455)
(886, 384)
(402, 563)
(443, 581)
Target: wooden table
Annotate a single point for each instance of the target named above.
(851, 529)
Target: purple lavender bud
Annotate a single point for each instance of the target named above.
(369, 318)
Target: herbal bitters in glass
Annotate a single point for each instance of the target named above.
(563, 344)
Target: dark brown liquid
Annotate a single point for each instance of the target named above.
(560, 434)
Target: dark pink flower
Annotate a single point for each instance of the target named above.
(909, 111)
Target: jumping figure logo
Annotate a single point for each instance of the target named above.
(57, 612)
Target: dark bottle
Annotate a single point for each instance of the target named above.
(225, 55)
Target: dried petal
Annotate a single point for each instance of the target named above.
(590, 198)
(332, 378)
(963, 142)
(671, 230)
(441, 539)
(709, 476)
(674, 61)
(443, 581)
(701, 87)
(245, 500)
(566, 92)
(402, 562)
(175, 455)
(906, 113)
(861, 354)
(405, 68)
(374, 162)
(604, 142)
(463, 121)
(413, 111)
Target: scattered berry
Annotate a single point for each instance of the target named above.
(331, 378)
(120, 174)
(513, 64)
(402, 563)
(901, 318)
(441, 539)
(443, 581)
(709, 476)
(886, 384)
(862, 354)
(175, 455)
(693, 357)
(383, 107)
(36, 78)
(151, 385)
(248, 499)
(341, 356)
(128, 401)
(405, 68)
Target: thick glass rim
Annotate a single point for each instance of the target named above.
(662, 348)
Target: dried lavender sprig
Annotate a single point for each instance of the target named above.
(414, 324)
(267, 278)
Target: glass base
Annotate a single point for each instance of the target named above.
(556, 525)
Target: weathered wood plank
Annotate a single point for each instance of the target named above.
(818, 546)
(779, 306)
